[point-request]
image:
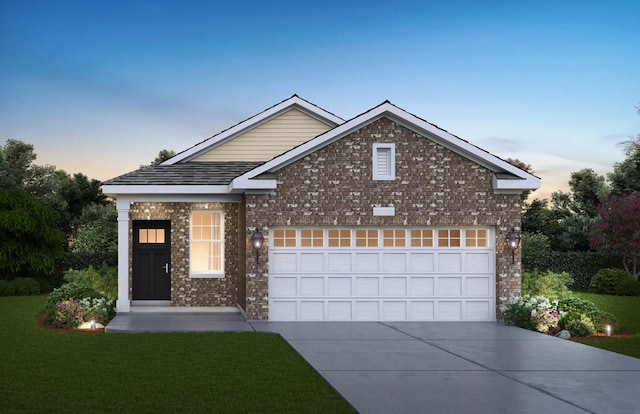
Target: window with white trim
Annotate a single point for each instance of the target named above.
(206, 243)
(384, 161)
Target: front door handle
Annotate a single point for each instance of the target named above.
(166, 268)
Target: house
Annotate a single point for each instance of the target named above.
(381, 217)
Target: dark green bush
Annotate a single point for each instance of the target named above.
(103, 280)
(536, 252)
(25, 286)
(6, 288)
(615, 282)
(548, 284)
(66, 292)
(580, 265)
(580, 327)
(45, 286)
(599, 317)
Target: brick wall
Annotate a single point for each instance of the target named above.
(333, 186)
(186, 291)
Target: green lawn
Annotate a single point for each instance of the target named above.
(43, 371)
(627, 310)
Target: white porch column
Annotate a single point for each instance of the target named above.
(123, 304)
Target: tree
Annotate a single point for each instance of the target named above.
(588, 190)
(625, 177)
(29, 241)
(97, 233)
(617, 232)
(15, 159)
(163, 155)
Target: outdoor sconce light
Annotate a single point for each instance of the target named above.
(257, 238)
(513, 238)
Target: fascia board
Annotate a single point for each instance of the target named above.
(530, 183)
(240, 184)
(178, 198)
(114, 190)
(293, 102)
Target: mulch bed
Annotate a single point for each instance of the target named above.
(600, 335)
(41, 323)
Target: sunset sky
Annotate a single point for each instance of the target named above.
(102, 87)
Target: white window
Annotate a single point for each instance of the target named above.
(206, 244)
(384, 161)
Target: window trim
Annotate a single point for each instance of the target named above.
(208, 274)
(391, 174)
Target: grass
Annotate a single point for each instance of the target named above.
(627, 310)
(44, 371)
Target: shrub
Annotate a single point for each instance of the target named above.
(580, 265)
(536, 252)
(598, 317)
(6, 288)
(25, 286)
(580, 327)
(68, 314)
(536, 314)
(99, 310)
(615, 282)
(550, 285)
(103, 280)
(45, 286)
(64, 293)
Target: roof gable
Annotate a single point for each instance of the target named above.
(507, 178)
(294, 103)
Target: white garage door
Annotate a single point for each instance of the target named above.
(382, 274)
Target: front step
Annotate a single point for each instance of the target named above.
(147, 308)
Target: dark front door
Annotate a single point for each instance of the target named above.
(151, 260)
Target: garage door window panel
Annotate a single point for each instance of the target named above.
(311, 238)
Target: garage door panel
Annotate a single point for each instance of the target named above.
(339, 262)
(283, 286)
(312, 262)
(477, 310)
(283, 262)
(422, 262)
(311, 286)
(394, 262)
(394, 286)
(477, 262)
(367, 286)
(311, 310)
(367, 262)
(422, 286)
(394, 310)
(477, 286)
(283, 310)
(449, 310)
(339, 310)
(367, 311)
(422, 310)
(449, 262)
(449, 286)
(340, 286)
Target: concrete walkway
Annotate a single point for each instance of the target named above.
(416, 367)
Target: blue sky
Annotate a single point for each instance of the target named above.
(101, 87)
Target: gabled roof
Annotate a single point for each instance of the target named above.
(294, 102)
(507, 178)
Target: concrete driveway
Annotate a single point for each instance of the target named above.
(462, 368)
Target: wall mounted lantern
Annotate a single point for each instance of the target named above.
(513, 239)
(256, 239)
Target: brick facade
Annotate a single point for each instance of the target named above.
(333, 186)
(186, 291)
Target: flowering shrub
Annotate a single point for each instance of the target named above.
(69, 314)
(533, 313)
(73, 312)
